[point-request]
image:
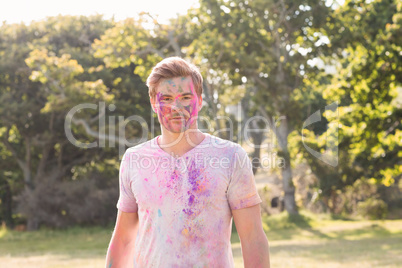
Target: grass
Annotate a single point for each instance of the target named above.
(302, 241)
(74, 247)
(308, 241)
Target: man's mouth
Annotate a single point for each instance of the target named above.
(177, 118)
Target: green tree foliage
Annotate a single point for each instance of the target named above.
(266, 44)
(131, 48)
(365, 49)
(142, 42)
(263, 54)
(47, 68)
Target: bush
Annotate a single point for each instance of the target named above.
(63, 204)
(349, 198)
(372, 209)
(265, 195)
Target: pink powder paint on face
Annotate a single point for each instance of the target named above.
(192, 108)
(166, 111)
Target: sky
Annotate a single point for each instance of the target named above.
(16, 11)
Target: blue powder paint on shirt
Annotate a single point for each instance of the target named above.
(159, 213)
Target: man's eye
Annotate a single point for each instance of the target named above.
(166, 99)
(187, 98)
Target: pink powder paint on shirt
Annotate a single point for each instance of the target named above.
(195, 201)
(168, 240)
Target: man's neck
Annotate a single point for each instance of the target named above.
(180, 143)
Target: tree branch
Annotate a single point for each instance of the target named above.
(148, 50)
(98, 135)
(8, 145)
(392, 128)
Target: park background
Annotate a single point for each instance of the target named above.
(269, 64)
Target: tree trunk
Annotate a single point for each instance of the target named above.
(288, 186)
(282, 134)
(209, 98)
(32, 224)
(257, 140)
(6, 203)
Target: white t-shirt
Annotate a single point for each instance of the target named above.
(184, 203)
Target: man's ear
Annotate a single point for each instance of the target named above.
(199, 103)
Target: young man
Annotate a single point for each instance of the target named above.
(179, 191)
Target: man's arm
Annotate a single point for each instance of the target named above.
(122, 243)
(254, 243)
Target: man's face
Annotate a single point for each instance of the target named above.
(177, 104)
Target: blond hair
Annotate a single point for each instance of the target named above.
(170, 68)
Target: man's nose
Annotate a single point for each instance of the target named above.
(177, 105)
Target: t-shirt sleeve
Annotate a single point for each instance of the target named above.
(127, 201)
(242, 191)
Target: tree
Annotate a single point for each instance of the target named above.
(40, 82)
(267, 45)
(365, 49)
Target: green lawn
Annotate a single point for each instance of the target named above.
(305, 241)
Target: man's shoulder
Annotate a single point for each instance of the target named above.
(142, 148)
(219, 144)
(228, 150)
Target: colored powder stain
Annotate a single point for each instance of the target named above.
(188, 108)
(185, 232)
(191, 200)
(146, 179)
(193, 175)
(110, 263)
(188, 211)
(159, 213)
(169, 240)
(201, 188)
(170, 82)
(164, 110)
